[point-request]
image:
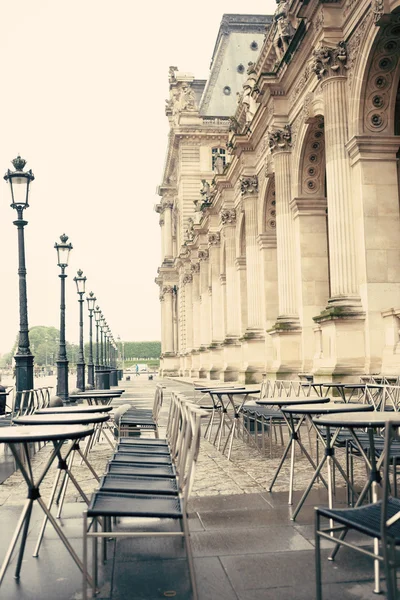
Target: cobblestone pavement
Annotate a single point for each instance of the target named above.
(248, 471)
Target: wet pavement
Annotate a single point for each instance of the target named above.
(245, 546)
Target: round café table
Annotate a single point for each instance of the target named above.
(76, 410)
(294, 438)
(215, 406)
(97, 397)
(226, 398)
(369, 421)
(21, 437)
(308, 411)
(65, 463)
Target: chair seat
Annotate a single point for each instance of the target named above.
(138, 485)
(150, 450)
(142, 470)
(143, 442)
(142, 458)
(366, 519)
(130, 505)
(262, 411)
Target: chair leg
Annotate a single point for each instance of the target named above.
(318, 581)
(84, 559)
(189, 554)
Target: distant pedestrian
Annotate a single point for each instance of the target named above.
(137, 370)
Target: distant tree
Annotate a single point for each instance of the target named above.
(44, 343)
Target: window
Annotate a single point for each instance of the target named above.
(218, 152)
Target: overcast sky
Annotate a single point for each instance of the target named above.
(83, 94)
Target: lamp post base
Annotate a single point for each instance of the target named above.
(62, 381)
(80, 376)
(91, 375)
(23, 374)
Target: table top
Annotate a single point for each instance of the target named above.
(373, 419)
(65, 410)
(94, 393)
(200, 388)
(46, 433)
(330, 407)
(234, 391)
(293, 400)
(363, 385)
(67, 419)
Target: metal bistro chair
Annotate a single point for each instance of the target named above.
(134, 420)
(379, 521)
(158, 506)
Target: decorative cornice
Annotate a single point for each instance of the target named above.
(329, 62)
(249, 185)
(228, 216)
(281, 139)
(308, 206)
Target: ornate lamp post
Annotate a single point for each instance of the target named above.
(63, 251)
(91, 302)
(97, 316)
(19, 182)
(102, 325)
(80, 363)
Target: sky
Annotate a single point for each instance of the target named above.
(83, 94)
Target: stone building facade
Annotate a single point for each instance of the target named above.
(279, 214)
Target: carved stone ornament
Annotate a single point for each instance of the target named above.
(195, 267)
(167, 204)
(187, 278)
(330, 61)
(185, 252)
(228, 216)
(189, 233)
(378, 8)
(284, 29)
(203, 254)
(249, 185)
(214, 238)
(281, 139)
(168, 289)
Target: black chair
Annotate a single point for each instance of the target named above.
(106, 505)
(379, 521)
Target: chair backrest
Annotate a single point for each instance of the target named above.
(158, 401)
(25, 403)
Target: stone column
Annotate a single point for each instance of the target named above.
(330, 67)
(162, 304)
(228, 218)
(168, 250)
(162, 226)
(286, 333)
(232, 358)
(255, 312)
(214, 241)
(280, 144)
(188, 283)
(168, 293)
(195, 269)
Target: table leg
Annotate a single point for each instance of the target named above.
(27, 509)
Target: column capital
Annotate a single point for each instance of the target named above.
(168, 289)
(280, 140)
(248, 185)
(203, 254)
(187, 278)
(214, 238)
(195, 267)
(330, 61)
(228, 216)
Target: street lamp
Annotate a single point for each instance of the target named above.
(97, 316)
(91, 300)
(63, 251)
(102, 325)
(80, 363)
(19, 181)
